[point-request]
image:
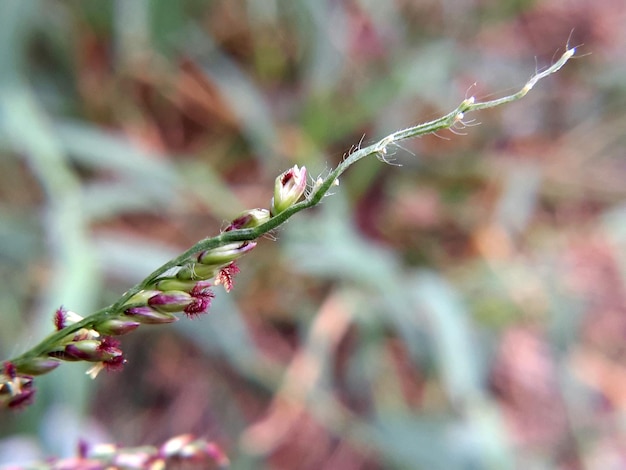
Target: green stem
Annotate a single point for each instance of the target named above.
(454, 118)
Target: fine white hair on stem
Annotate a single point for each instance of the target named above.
(439, 136)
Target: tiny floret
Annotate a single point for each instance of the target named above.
(38, 365)
(92, 350)
(288, 188)
(170, 302)
(226, 276)
(202, 295)
(59, 318)
(149, 316)
(225, 254)
(249, 219)
(63, 318)
(117, 327)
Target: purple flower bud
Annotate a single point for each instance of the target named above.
(92, 350)
(225, 254)
(148, 316)
(116, 327)
(86, 350)
(142, 297)
(61, 354)
(170, 302)
(38, 366)
(249, 219)
(288, 188)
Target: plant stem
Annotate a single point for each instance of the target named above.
(320, 189)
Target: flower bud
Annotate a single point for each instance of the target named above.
(38, 366)
(61, 354)
(168, 284)
(288, 188)
(225, 254)
(86, 349)
(170, 302)
(83, 333)
(63, 318)
(148, 316)
(94, 350)
(195, 271)
(249, 219)
(142, 297)
(117, 327)
(197, 301)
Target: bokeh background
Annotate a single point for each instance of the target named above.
(464, 308)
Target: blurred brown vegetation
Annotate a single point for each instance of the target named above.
(463, 310)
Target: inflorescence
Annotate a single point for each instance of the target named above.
(184, 284)
(185, 288)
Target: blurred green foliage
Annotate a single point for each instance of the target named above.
(461, 310)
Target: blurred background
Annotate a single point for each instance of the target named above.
(463, 308)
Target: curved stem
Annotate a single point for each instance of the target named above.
(319, 190)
